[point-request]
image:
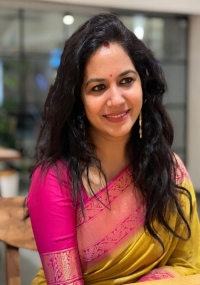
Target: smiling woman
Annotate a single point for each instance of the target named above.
(110, 202)
(112, 104)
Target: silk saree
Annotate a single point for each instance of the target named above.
(109, 245)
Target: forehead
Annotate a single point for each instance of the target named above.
(109, 48)
(108, 55)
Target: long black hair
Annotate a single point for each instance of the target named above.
(64, 136)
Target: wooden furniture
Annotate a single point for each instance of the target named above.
(16, 233)
(184, 280)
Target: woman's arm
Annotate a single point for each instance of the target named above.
(53, 219)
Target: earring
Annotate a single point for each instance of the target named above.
(140, 125)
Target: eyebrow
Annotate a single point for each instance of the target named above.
(94, 80)
(102, 79)
(128, 71)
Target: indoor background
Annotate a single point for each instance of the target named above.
(32, 35)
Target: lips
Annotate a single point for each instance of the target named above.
(117, 115)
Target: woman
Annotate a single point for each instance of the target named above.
(110, 203)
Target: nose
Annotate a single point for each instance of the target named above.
(115, 97)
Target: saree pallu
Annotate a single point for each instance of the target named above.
(113, 246)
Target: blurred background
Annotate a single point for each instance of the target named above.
(32, 36)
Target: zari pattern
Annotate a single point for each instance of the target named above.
(60, 267)
(119, 233)
(157, 274)
(181, 172)
(93, 207)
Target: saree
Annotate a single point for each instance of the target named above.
(109, 245)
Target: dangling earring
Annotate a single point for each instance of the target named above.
(140, 125)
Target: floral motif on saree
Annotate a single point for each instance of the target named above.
(93, 207)
(181, 172)
(115, 236)
(63, 263)
(111, 229)
(157, 274)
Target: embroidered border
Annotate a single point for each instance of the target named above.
(61, 267)
(121, 231)
(157, 274)
(93, 207)
(181, 171)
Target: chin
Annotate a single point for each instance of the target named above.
(120, 134)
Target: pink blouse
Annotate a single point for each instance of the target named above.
(53, 219)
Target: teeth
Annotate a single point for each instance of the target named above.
(118, 116)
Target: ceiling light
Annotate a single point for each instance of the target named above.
(139, 32)
(68, 19)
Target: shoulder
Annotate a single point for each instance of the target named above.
(50, 181)
(58, 171)
(181, 172)
(183, 180)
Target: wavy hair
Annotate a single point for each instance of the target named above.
(64, 136)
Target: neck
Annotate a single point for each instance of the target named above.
(112, 154)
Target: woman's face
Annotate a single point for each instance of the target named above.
(111, 93)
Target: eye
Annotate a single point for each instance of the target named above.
(99, 87)
(126, 80)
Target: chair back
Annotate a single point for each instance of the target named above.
(16, 233)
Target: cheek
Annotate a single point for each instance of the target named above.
(136, 97)
(139, 94)
(93, 104)
(90, 107)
